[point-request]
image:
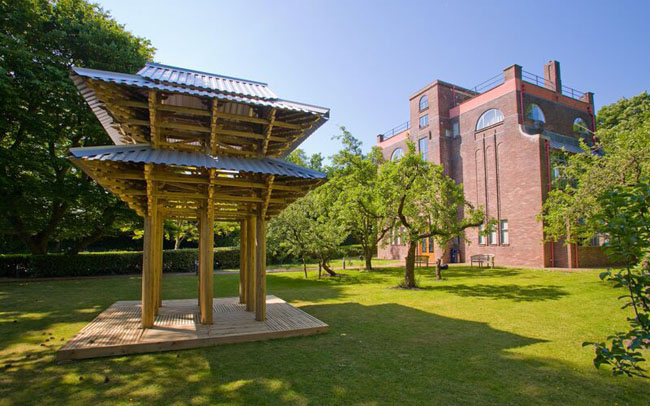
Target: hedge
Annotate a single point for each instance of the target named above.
(105, 263)
(122, 262)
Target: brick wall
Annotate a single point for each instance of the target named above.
(502, 168)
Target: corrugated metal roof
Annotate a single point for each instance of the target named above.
(204, 80)
(144, 153)
(138, 81)
(105, 119)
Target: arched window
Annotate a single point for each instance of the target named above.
(535, 113)
(424, 102)
(397, 154)
(490, 117)
(580, 126)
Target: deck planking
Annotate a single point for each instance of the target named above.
(118, 331)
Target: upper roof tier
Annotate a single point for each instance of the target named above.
(182, 109)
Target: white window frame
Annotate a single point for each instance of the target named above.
(504, 232)
(423, 152)
(426, 124)
(424, 100)
(489, 118)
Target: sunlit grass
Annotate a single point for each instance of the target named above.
(502, 336)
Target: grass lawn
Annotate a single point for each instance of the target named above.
(479, 337)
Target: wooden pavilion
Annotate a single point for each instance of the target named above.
(197, 146)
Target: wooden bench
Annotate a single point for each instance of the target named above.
(422, 260)
(480, 259)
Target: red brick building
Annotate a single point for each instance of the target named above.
(498, 140)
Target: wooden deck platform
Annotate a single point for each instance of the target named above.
(117, 330)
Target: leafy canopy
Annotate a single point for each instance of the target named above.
(44, 197)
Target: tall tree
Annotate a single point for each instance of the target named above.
(44, 197)
(360, 203)
(308, 228)
(427, 203)
(605, 192)
(619, 157)
(625, 218)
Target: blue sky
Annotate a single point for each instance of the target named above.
(363, 59)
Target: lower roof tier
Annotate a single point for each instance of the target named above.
(181, 183)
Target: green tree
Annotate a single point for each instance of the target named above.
(360, 203)
(308, 228)
(184, 230)
(44, 197)
(428, 204)
(604, 192)
(618, 157)
(625, 219)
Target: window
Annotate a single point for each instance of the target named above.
(504, 232)
(397, 154)
(481, 234)
(455, 128)
(424, 245)
(556, 172)
(424, 103)
(430, 245)
(535, 113)
(423, 147)
(493, 236)
(424, 121)
(580, 126)
(490, 117)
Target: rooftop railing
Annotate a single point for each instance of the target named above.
(543, 82)
(488, 84)
(396, 130)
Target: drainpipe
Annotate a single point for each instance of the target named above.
(547, 147)
(521, 104)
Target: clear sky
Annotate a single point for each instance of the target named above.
(363, 59)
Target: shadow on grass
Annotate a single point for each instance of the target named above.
(30, 310)
(516, 293)
(384, 354)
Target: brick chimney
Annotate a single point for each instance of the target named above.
(552, 78)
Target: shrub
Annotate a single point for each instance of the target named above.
(105, 263)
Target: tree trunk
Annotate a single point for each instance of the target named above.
(367, 251)
(439, 269)
(177, 243)
(304, 266)
(327, 268)
(37, 245)
(409, 272)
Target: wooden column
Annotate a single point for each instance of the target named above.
(250, 263)
(242, 261)
(148, 274)
(198, 274)
(157, 236)
(260, 270)
(206, 263)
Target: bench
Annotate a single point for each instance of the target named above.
(422, 260)
(481, 259)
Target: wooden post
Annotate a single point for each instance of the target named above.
(198, 274)
(242, 260)
(158, 260)
(250, 264)
(147, 274)
(260, 270)
(206, 263)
